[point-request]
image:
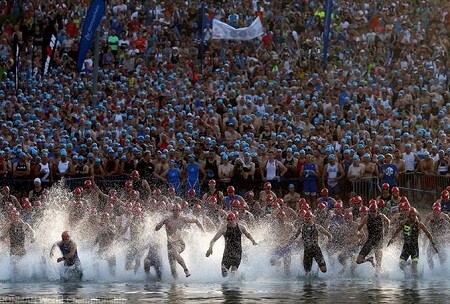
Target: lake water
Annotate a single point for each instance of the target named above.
(36, 277)
(256, 282)
(298, 291)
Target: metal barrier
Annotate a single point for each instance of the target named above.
(367, 188)
(419, 188)
(422, 188)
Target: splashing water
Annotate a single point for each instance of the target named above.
(37, 266)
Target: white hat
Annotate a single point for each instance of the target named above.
(37, 180)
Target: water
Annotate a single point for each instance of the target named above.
(337, 291)
(35, 279)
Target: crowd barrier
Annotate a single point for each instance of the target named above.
(418, 187)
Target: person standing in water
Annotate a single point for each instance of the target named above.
(232, 254)
(175, 244)
(411, 229)
(377, 225)
(16, 229)
(72, 264)
(310, 236)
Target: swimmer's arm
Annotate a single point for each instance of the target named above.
(160, 224)
(30, 230)
(324, 231)
(247, 234)
(386, 221)
(219, 233)
(125, 227)
(446, 217)
(251, 216)
(195, 221)
(394, 235)
(295, 236)
(427, 232)
(146, 186)
(363, 223)
(53, 248)
(290, 212)
(428, 219)
(209, 223)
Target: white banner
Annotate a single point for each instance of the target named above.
(222, 30)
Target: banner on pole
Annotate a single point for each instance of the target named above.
(91, 22)
(326, 32)
(222, 30)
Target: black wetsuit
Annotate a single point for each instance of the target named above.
(17, 239)
(410, 242)
(375, 230)
(233, 249)
(310, 237)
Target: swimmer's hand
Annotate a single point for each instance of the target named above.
(389, 243)
(254, 243)
(209, 252)
(60, 259)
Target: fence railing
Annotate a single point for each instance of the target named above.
(418, 187)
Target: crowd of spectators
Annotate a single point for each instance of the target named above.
(238, 112)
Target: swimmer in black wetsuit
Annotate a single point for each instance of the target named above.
(16, 229)
(310, 237)
(411, 228)
(232, 254)
(377, 225)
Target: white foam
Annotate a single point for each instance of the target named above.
(37, 265)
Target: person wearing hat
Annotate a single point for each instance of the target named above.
(44, 169)
(309, 172)
(309, 231)
(370, 176)
(36, 193)
(355, 171)
(232, 253)
(427, 169)
(272, 170)
(333, 173)
(78, 168)
(192, 175)
(72, 269)
(292, 197)
(388, 171)
(377, 224)
(225, 171)
(145, 166)
(290, 162)
(174, 225)
(7, 199)
(21, 171)
(17, 231)
(411, 228)
(62, 165)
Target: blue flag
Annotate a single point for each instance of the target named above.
(326, 32)
(91, 22)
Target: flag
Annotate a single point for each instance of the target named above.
(222, 30)
(49, 42)
(326, 32)
(201, 51)
(91, 22)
